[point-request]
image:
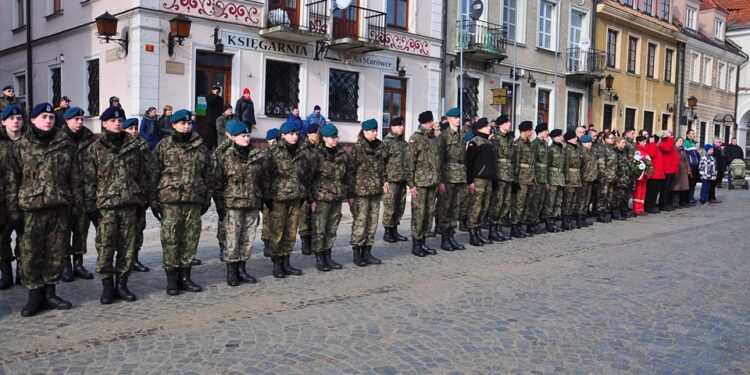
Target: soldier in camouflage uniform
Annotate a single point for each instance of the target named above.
(82, 137)
(180, 192)
(572, 171)
(10, 132)
(553, 203)
(622, 192)
(465, 199)
(9, 98)
(394, 201)
(310, 151)
(272, 136)
(453, 177)
(286, 194)
(367, 183)
(523, 170)
(480, 174)
(629, 136)
(607, 166)
(43, 183)
(329, 191)
(130, 126)
(115, 188)
(423, 176)
(588, 177)
(504, 178)
(221, 229)
(240, 183)
(541, 172)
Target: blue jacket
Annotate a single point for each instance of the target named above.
(150, 131)
(298, 123)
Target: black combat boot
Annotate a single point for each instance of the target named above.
(616, 215)
(494, 233)
(138, 266)
(67, 273)
(232, 277)
(79, 270)
(242, 274)
(320, 263)
(52, 301)
(266, 249)
(454, 243)
(529, 230)
(108, 291)
(474, 239)
(287, 266)
(367, 255)
(427, 249)
(398, 236)
(602, 218)
(18, 272)
(515, 231)
(122, 289)
(532, 228)
(221, 253)
(462, 225)
(306, 245)
(503, 237)
(196, 262)
(329, 260)
(566, 223)
(582, 221)
(388, 235)
(573, 222)
(482, 238)
(550, 226)
(185, 283)
(357, 256)
(6, 274)
(34, 304)
(278, 270)
(445, 242)
(416, 248)
(172, 276)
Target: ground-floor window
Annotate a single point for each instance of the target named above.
(542, 106)
(282, 88)
(607, 116)
(648, 121)
(55, 75)
(470, 96)
(630, 119)
(394, 100)
(665, 122)
(575, 101)
(343, 95)
(702, 133)
(92, 85)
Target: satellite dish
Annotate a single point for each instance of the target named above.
(342, 4)
(477, 7)
(585, 44)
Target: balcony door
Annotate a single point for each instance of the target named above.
(346, 22)
(283, 12)
(574, 40)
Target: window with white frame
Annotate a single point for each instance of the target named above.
(632, 55)
(708, 70)
(575, 33)
(20, 85)
(612, 48)
(510, 18)
(732, 78)
(665, 5)
(19, 13)
(648, 6)
(695, 75)
(721, 76)
(651, 61)
(719, 29)
(668, 58)
(546, 25)
(691, 18)
(92, 87)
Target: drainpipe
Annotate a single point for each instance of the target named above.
(592, 45)
(29, 63)
(444, 58)
(737, 92)
(680, 88)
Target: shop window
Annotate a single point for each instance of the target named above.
(92, 85)
(343, 95)
(282, 94)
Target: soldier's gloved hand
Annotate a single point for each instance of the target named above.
(94, 217)
(156, 211)
(268, 203)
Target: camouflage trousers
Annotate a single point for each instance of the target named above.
(584, 197)
(264, 231)
(141, 226)
(283, 222)
(604, 197)
(44, 247)
(502, 198)
(241, 226)
(449, 206)
(221, 233)
(305, 220)
(180, 232)
(394, 203)
(522, 202)
(537, 204)
(78, 233)
(479, 202)
(8, 252)
(115, 241)
(422, 211)
(365, 211)
(465, 204)
(553, 203)
(570, 201)
(326, 221)
(621, 196)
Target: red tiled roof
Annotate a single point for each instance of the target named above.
(711, 4)
(738, 11)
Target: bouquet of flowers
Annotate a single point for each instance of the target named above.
(641, 165)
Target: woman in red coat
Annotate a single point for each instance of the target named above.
(655, 181)
(639, 196)
(671, 161)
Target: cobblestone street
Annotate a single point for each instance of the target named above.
(665, 294)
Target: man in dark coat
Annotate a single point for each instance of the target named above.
(721, 166)
(244, 110)
(214, 109)
(732, 151)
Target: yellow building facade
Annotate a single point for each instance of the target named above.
(641, 62)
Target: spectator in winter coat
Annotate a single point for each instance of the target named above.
(214, 109)
(671, 161)
(721, 166)
(708, 172)
(244, 110)
(639, 195)
(694, 159)
(733, 151)
(681, 184)
(315, 117)
(165, 125)
(150, 128)
(297, 121)
(655, 181)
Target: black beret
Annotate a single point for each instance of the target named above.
(426, 117)
(525, 126)
(656, 138)
(502, 119)
(570, 134)
(640, 138)
(541, 127)
(41, 108)
(397, 121)
(481, 123)
(555, 133)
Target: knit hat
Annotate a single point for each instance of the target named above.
(130, 122)
(236, 127)
(570, 134)
(181, 115)
(541, 127)
(525, 126)
(329, 130)
(555, 133)
(370, 124)
(288, 127)
(316, 108)
(426, 117)
(707, 147)
(246, 91)
(41, 108)
(72, 112)
(11, 110)
(226, 106)
(272, 134)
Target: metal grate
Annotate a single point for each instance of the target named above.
(470, 96)
(343, 94)
(282, 88)
(56, 86)
(92, 67)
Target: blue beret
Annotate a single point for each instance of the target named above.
(272, 134)
(586, 139)
(370, 124)
(288, 127)
(181, 115)
(236, 127)
(112, 112)
(8, 87)
(329, 130)
(312, 127)
(468, 136)
(130, 122)
(453, 112)
(41, 108)
(73, 112)
(10, 110)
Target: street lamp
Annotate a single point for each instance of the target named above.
(179, 30)
(106, 27)
(692, 103)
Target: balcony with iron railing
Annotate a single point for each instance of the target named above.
(358, 30)
(481, 40)
(585, 63)
(299, 25)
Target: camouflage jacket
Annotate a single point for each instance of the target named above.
(452, 150)
(572, 165)
(181, 172)
(396, 149)
(504, 156)
(541, 155)
(310, 153)
(43, 176)
(523, 161)
(623, 168)
(556, 165)
(589, 169)
(366, 170)
(607, 163)
(83, 141)
(330, 177)
(114, 177)
(424, 160)
(5, 146)
(240, 179)
(286, 173)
